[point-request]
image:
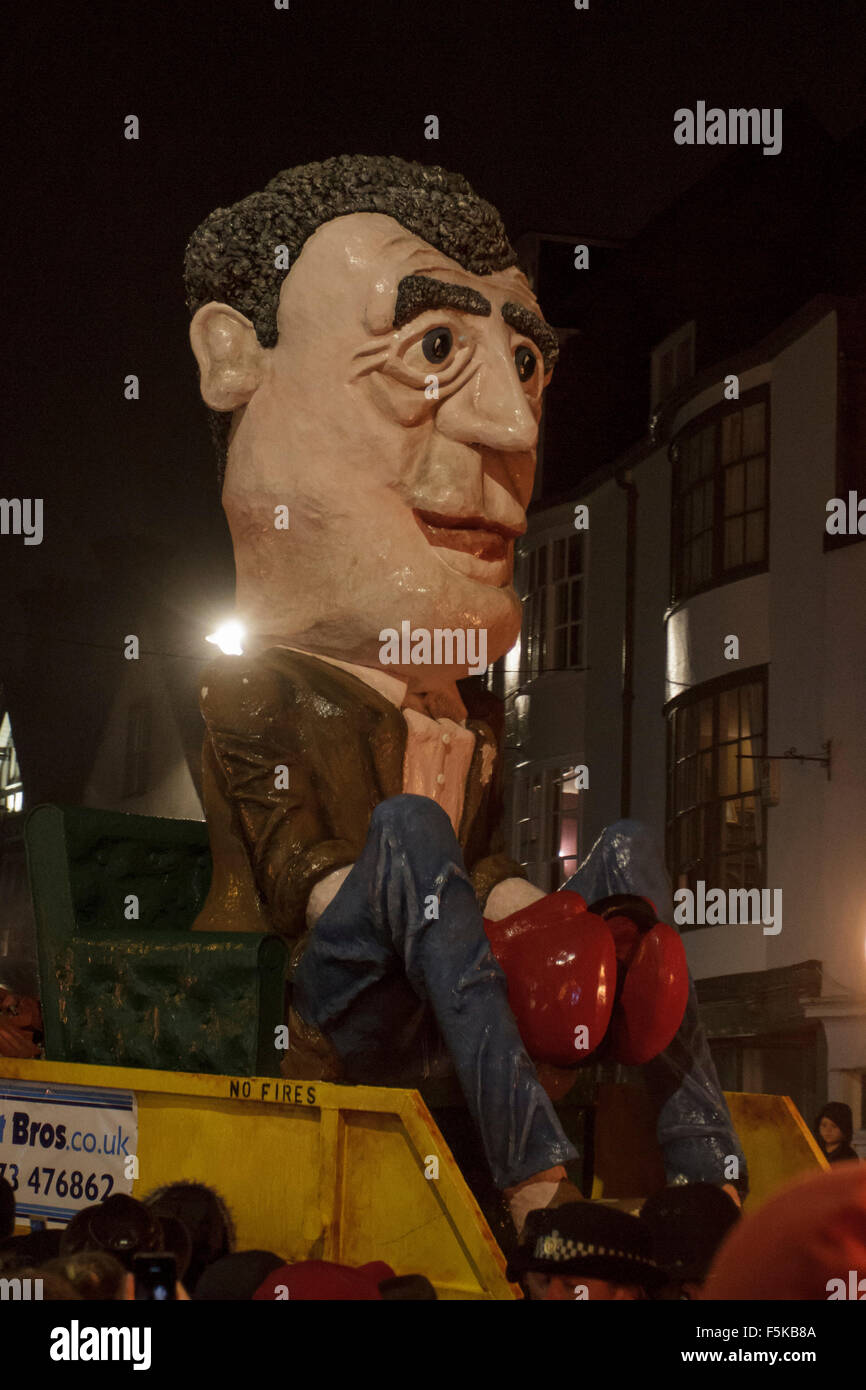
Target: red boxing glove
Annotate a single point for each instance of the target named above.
(560, 962)
(653, 981)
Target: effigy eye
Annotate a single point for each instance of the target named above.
(436, 345)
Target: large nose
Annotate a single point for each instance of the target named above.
(492, 408)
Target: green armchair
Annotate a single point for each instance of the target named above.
(124, 979)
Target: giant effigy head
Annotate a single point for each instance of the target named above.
(374, 362)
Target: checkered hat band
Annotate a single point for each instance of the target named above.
(555, 1248)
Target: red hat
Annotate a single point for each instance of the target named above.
(810, 1233)
(313, 1280)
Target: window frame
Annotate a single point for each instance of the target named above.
(551, 771)
(538, 652)
(850, 466)
(719, 575)
(671, 346)
(11, 781)
(713, 861)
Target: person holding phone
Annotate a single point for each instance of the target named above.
(154, 1279)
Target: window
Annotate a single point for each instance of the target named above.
(550, 577)
(716, 740)
(11, 786)
(720, 521)
(850, 437)
(673, 362)
(776, 1064)
(137, 761)
(547, 815)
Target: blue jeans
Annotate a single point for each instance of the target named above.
(378, 950)
(694, 1127)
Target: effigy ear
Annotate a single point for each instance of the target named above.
(229, 356)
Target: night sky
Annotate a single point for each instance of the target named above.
(562, 118)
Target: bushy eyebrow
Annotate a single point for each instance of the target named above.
(418, 293)
(531, 326)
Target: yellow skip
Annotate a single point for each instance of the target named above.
(310, 1170)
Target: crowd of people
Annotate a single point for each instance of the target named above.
(683, 1242)
(96, 1255)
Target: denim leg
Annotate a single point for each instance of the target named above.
(625, 859)
(694, 1129)
(376, 927)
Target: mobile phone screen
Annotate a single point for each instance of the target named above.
(155, 1277)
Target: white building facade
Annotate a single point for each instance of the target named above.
(745, 639)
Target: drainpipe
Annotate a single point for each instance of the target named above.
(625, 481)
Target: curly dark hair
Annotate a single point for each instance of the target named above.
(207, 1218)
(230, 257)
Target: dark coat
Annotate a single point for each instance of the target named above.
(843, 1154)
(342, 744)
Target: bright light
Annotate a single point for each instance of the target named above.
(512, 658)
(229, 637)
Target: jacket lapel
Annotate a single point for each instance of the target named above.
(388, 745)
(374, 717)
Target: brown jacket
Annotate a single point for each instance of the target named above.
(340, 745)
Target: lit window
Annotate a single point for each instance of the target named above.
(11, 788)
(551, 578)
(547, 824)
(720, 512)
(715, 811)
